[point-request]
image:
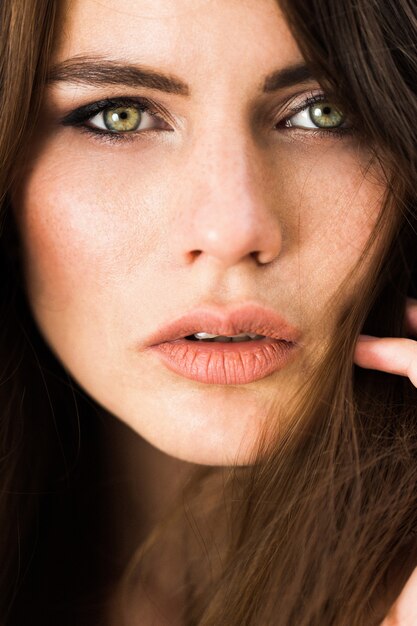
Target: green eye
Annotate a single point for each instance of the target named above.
(326, 115)
(122, 119)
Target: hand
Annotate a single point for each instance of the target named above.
(395, 356)
(404, 611)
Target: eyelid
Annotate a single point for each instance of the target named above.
(302, 99)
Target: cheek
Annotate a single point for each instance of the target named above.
(86, 242)
(331, 208)
(81, 233)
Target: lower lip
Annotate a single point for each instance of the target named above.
(225, 363)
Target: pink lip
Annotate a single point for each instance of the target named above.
(226, 363)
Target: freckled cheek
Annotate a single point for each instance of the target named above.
(330, 212)
(334, 209)
(61, 256)
(339, 227)
(80, 235)
(68, 244)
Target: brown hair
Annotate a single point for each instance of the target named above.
(321, 527)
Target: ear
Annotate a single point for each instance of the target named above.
(404, 611)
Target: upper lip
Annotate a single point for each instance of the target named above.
(251, 318)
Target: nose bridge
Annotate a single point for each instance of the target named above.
(230, 214)
(229, 164)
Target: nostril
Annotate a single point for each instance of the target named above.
(194, 254)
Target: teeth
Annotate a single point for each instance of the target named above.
(223, 339)
(208, 336)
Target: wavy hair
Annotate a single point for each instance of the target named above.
(320, 530)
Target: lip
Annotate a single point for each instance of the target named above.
(226, 363)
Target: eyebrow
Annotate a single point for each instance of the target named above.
(99, 71)
(288, 77)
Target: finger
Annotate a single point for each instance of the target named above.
(404, 611)
(411, 316)
(394, 356)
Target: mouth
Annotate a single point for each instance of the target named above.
(209, 338)
(246, 346)
(248, 321)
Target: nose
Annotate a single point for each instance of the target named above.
(229, 215)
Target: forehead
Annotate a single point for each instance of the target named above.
(188, 37)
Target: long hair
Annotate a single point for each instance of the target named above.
(50, 447)
(328, 519)
(320, 529)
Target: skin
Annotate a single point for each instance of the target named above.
(395, 356)
(108, 229)
(404, 611)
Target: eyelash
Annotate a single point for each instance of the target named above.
(80, 116)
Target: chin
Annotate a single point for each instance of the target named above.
(207, 438)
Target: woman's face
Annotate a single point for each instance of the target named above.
(225, 193)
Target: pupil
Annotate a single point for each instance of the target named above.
(123, 116)
(326, 110)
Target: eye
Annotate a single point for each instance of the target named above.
(125, 119)
(319, 114)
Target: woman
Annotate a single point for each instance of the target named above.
(209, 217)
